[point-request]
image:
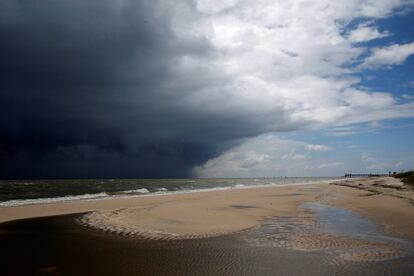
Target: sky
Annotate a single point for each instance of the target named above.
(203, 88)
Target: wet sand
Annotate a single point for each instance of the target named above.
(385, 200)
(317, 229)
(58, 246)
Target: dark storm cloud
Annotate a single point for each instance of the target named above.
(92, 89)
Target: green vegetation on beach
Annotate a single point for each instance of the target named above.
(406, 177)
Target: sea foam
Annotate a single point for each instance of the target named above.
(20, 202)
(136, 191)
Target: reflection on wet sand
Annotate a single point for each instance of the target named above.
(335, 231)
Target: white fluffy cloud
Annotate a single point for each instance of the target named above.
(366, 33)
(390, 55)
(315, 147)
(286, 65)
(269, 155)
(273, 62)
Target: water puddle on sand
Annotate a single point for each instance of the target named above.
(337, 221)
(331, 230)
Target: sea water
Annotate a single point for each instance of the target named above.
(27, 192)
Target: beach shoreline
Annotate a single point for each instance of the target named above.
(70, 206)
(210, 213)
(356, 227)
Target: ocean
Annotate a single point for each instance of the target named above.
(27, 192)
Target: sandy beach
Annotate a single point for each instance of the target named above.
(214, 212)
(353, 221)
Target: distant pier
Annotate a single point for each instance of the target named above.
(363, 175)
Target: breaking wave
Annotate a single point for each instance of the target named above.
(20, 202)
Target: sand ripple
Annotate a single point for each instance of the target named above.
(321, 242)
(297, 234)
(105, 222)
(374, 254)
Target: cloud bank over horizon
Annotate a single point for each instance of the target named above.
(192, 88)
